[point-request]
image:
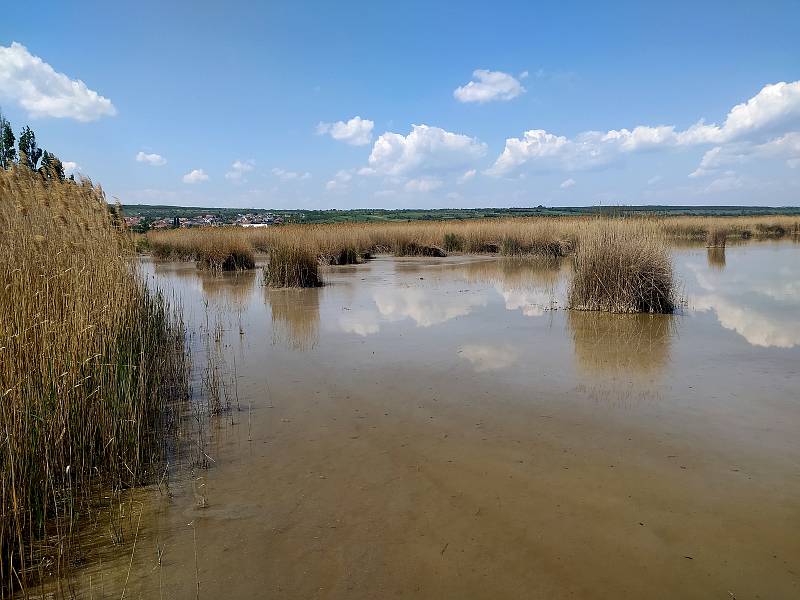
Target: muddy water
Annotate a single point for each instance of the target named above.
(442, 428)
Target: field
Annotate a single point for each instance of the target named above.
(150, 213)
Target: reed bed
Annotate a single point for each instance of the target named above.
(341, 243)
(623, 267)
(349, 243)
(91, 361)
(227, 249)
(292, 264)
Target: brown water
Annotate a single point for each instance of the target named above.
(442, 428)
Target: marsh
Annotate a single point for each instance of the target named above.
(445, 428)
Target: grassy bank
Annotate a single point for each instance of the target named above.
(90, 362)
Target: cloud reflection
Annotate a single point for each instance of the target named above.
(757, 296)
(489, 357)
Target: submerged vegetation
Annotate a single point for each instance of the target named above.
(623, 268)
(91, 360)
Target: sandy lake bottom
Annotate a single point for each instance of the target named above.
(442, 428)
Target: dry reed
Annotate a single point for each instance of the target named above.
(624, 268)
(346, 243)
(90, 361)
(291, 264)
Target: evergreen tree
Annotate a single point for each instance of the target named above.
(29, 152)
(7, 151)
(51, 167)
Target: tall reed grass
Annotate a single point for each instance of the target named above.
(90, 362)
(345, 243)
(624, 268)
(292, 264)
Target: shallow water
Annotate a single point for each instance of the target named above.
(442, 428)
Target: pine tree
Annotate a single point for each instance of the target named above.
(7, 151)
(29, 153)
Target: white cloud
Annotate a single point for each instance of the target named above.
(356, 131)
(70, 167)
(567, 183)
(43, 92)
(340, 181)
(423, 184)
(785, 147)
(467, 176)
(195, 176)
(285, 175)
(154, 160)
(775, 110)
(238, 170)
(424, 149)
(490, 86)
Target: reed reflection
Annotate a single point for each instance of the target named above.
(229, 288)
(295, 317)
(612, 344)
(716, 258)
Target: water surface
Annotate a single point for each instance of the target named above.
(443, 428)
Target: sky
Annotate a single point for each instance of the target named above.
(412, 104)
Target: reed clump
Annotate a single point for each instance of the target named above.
(717, 237)
(292, 264)
(91, 361)
(622, 267)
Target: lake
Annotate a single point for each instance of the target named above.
(443, 428)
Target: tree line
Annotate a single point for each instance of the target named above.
(27, 153)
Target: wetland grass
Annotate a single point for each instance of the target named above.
(349, 243)
(91, 362)
(717, 237)
(292, 264)
(622, 267)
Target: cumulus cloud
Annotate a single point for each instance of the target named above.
(356, 131)
(154, 160)
(238, 170)
(423, 184)
(786, 147)
(775, 110)
(285, 175)
(489, 86)
(195, 176)
(70, 167)
(567, 183)
(340, 181)
(424, 149)
(44, 92)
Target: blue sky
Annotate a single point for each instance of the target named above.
(255, 104)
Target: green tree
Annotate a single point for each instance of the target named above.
(29, 152)
(7, 152)
(52, 167)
